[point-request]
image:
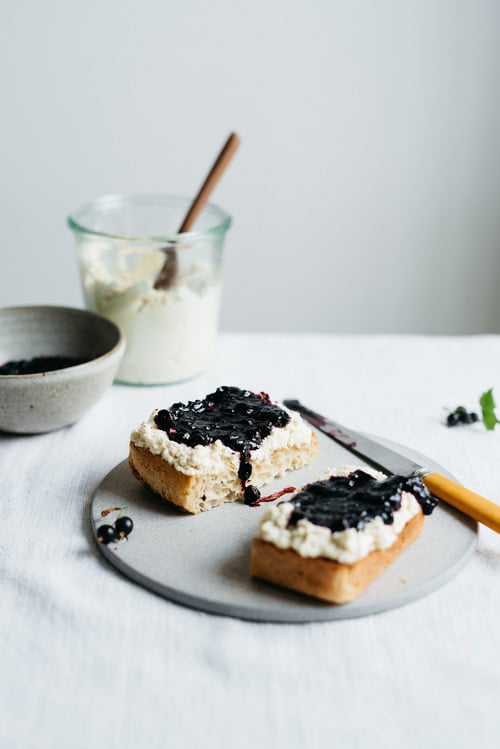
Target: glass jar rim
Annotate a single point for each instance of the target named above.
(76, 224)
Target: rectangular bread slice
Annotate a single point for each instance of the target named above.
(206, 452)
(336, 535)
(325, 578)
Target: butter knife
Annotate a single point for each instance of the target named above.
(390, 461)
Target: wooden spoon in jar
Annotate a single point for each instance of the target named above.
(168, 272)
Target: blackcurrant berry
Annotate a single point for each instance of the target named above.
(461, 416)
(106, 534)
(251, 495)
(124, 526)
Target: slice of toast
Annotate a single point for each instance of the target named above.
(336, 535)
(206, 452)
(325, 578)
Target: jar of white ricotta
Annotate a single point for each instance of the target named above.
(161, 287)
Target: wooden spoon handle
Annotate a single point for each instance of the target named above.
(215, 173)
(168, 272)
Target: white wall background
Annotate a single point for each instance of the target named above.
(366, 192)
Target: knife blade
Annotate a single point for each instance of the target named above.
(385, 459)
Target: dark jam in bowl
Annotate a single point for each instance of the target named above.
(342, 502)
(238, 418)
(39, 364)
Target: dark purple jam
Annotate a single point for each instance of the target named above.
(238, 418)
(342, 502)
(39, 364)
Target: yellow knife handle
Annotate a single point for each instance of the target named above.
(465, 500)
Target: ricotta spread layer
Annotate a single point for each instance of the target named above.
(217, 458)
(170, 333)
(347, 546)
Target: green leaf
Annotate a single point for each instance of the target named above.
(487, 403)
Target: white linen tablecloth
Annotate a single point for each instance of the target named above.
(89, 658)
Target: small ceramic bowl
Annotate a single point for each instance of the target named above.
(48, 400)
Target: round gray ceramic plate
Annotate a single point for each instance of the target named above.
(202, 560)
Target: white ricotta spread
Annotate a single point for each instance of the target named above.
(216, 458)
(346, 546)
(170, 333)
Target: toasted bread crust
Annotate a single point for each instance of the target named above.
(324, 578)
(160, 476)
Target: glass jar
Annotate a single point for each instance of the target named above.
(162, 288)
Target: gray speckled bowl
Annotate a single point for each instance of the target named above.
(42, 402)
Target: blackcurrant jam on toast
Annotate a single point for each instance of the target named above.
(202, 453)
(337, 534)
